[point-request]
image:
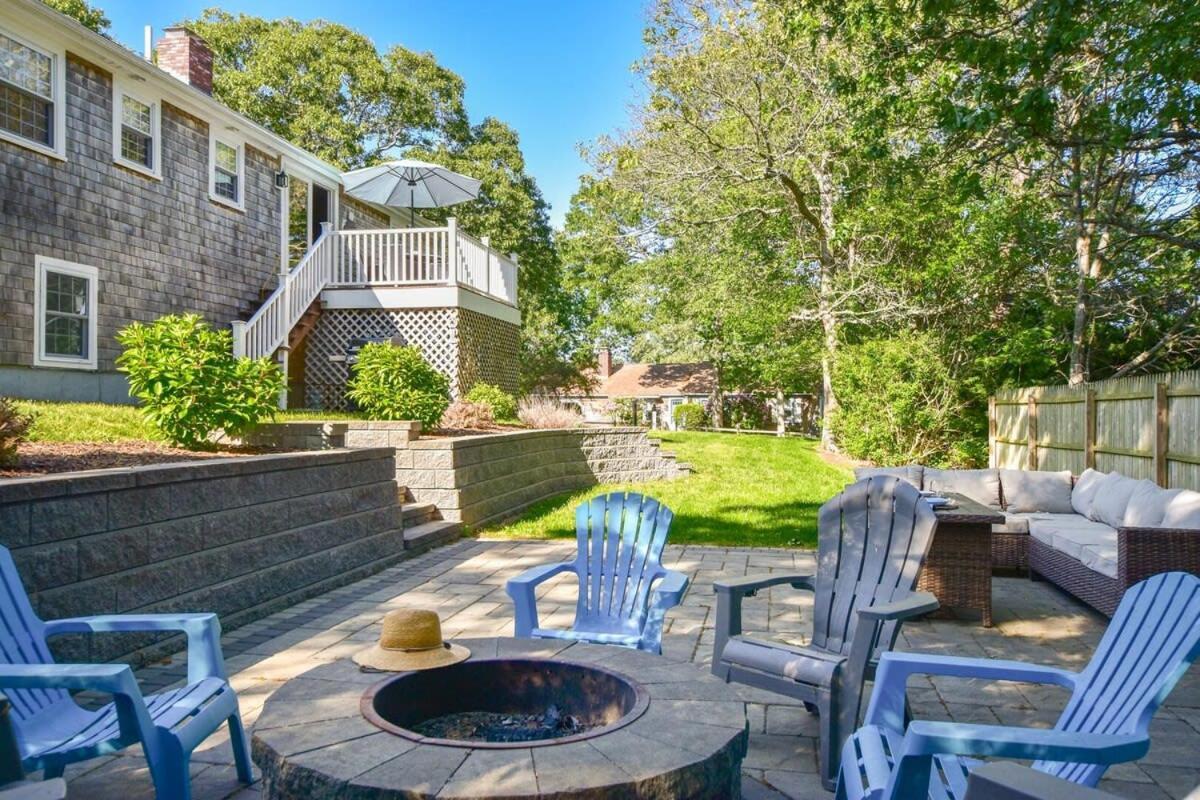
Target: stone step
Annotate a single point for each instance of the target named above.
(419, 513)
(431, 534)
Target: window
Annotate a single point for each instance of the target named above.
(30, 88)
(136, 132)
(65, 314)
(228, 166)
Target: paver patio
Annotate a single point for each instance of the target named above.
(464, 582)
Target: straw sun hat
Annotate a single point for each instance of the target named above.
(411, 640)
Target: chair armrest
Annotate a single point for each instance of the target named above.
(668, 592)
(665, 595)
(891, 677)
(203, 634)
(1142, 552)
(109, 678)
(133, 718)
(751, 584)
(520, 590)
(914, 605)
(539, 574)
(938, 738)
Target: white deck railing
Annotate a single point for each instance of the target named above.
(376, 258)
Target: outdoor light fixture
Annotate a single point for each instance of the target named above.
(281, 180)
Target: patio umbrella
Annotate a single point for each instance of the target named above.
(410, 184)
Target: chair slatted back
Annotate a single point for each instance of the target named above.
(1152, 640)
(871, 544)
(621, 539)
(22, 641)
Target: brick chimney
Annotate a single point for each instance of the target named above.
(604, 363)
(186, 56)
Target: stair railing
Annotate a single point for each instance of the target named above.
(268, 329)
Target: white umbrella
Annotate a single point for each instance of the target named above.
(410, 184)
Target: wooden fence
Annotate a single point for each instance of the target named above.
(1146, 426)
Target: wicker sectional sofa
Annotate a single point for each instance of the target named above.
(1093, 536)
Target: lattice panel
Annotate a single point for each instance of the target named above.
(433, 330)
(488, 350)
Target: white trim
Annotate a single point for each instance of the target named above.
(420, 297)
(41, 265)
(68, 34)
(121, 90)
(229, 139)
(58, 57)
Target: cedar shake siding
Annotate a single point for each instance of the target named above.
(160, 246)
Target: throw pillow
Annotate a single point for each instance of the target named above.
(981, 485)
(1033, 490)
(1148, 505)
(1183, 511)
(1112, 498)
(1085, 491)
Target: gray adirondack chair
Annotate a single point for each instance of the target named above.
(872, 542)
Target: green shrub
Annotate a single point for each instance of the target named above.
(390, 382)
(14, 426)
(748, 412)
(189, 382)
(625, 412)
(690, 416)
(503, 404)
(900, 403)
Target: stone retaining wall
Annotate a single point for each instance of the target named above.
(238, 536)
(484, 480)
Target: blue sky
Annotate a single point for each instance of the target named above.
(556, 70)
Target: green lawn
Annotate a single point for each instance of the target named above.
(756, 491)
(101, 422)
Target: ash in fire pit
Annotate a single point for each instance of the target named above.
(492, 726)
(502, 703)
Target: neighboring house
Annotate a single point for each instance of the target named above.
(128, 192)
(656, 390)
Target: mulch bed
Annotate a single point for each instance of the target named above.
(46, 458)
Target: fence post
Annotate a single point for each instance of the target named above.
(452, 250)
(992, 432)
(1089, 429)
(1031, 427)
(1162, 433)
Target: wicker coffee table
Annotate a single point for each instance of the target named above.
(958, 570)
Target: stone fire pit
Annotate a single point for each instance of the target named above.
(648, 726)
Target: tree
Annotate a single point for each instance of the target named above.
(87, 15)
(327, 89)
(1093, 103)
(746, 128)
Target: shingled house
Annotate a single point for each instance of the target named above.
(127, 191)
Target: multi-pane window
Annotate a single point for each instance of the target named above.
(137, 132)
(65, 314)
(26, 92)
(226, 172)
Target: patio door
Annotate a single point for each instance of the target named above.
(308, 205)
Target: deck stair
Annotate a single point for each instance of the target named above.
(304, 326)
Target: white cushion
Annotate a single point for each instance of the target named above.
(981, 485)
(1043, 526)
(1148, 505)
(911, 473)
(1101, 558)
(1033, 490)
(1183, 511)
(1112, 497)
(1070, 533)
(1085, 491)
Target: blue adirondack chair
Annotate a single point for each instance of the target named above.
(1151, 641)
(621, 540)
(54, 731)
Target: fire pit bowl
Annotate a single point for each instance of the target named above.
(499, 703)
(645, 726)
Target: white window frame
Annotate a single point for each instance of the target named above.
(58, 59)
(228, 139)
(42, 265)
(122, 90)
